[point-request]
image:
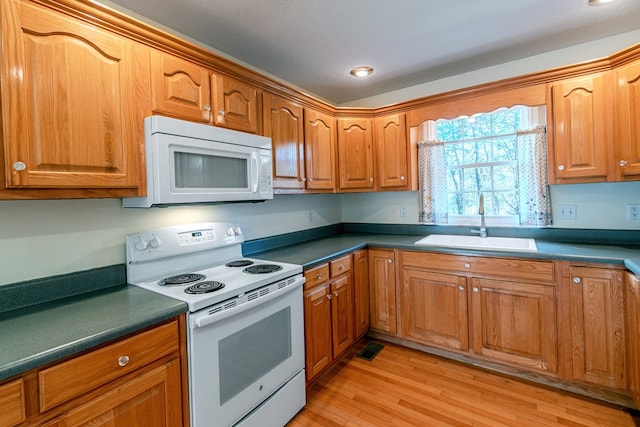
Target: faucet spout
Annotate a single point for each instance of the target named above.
(483, 228)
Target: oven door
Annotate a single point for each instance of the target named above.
(240, 357)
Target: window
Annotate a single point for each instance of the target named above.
(486, 154)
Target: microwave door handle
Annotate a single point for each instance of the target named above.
(255, 159)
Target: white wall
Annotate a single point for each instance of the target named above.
(598, 206)
(42, 238)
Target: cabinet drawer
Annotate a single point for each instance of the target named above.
(12, 405)
(316, 275)
(70, 379)
(340, 265)
(499, 267)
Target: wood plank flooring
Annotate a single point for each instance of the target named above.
(405, 387)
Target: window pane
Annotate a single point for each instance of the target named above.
(454, 201)
(506, 203)
(453, 154)
(454, 180)
(504, 149)
(505, 177)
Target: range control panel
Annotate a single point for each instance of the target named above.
(180, 240)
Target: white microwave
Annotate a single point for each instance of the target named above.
(196, 163)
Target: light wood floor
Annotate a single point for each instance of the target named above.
(404, 387)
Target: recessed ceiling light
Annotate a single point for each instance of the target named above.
(599, 2)
(362, 71)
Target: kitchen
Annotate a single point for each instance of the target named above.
(92, 231)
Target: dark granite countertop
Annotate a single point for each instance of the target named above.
(90, 308)
(317, 251)
(40, 334)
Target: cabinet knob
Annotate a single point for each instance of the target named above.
(221, 112)
(402, 178)
(561, 167)
(622, 163)
(460, 287)
(467, 265)
(123, 360)
(341, 267)
(389, 261)
(335, 293)
(19, 166)
(371, 179)
(318, 276)
(329, 295)
(576, 280)
(476, 289)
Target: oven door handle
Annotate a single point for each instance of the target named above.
(206, 319)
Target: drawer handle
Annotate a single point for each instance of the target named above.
(341, 267)
(318, 276)
(123, 360)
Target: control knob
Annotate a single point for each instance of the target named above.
(155, 242)
(141, 244)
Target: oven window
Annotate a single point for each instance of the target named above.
(249, 354)
(208, 171)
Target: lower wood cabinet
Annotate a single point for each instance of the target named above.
(328, 313)
(135, 381)
(12, 403)
(476, 305)
(597, 325)
(382, 288)
(633, 334)
(361, 292)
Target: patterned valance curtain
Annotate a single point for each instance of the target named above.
(535, 203)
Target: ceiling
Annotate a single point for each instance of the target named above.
(313, 44)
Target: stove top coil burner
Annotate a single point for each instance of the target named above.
(181, 279)
(239, 263)
(262, 268)
(204, 287)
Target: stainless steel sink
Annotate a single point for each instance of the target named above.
(479, 243)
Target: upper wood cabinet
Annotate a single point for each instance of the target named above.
(626, 162)
(320, 150)
(582, 129)
(393, 154)
(284, 123)
(355, 155)
(68, 104)
(179, 88)
(236, 105)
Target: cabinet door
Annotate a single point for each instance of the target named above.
(180, 88)
(342, 313)
(633, 334)
(392, 152)
(361, 291)
(597, 326)
(355, 154)
(515, 323)
(236, 104)
(148, 399)
(283, 123)
(628, 121)
(68, 102)
(320, 150)
(12, 403)
(582, 129)
(382, 282)
(317, 327)
(434, 309)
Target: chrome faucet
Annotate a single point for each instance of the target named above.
(483, 228)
